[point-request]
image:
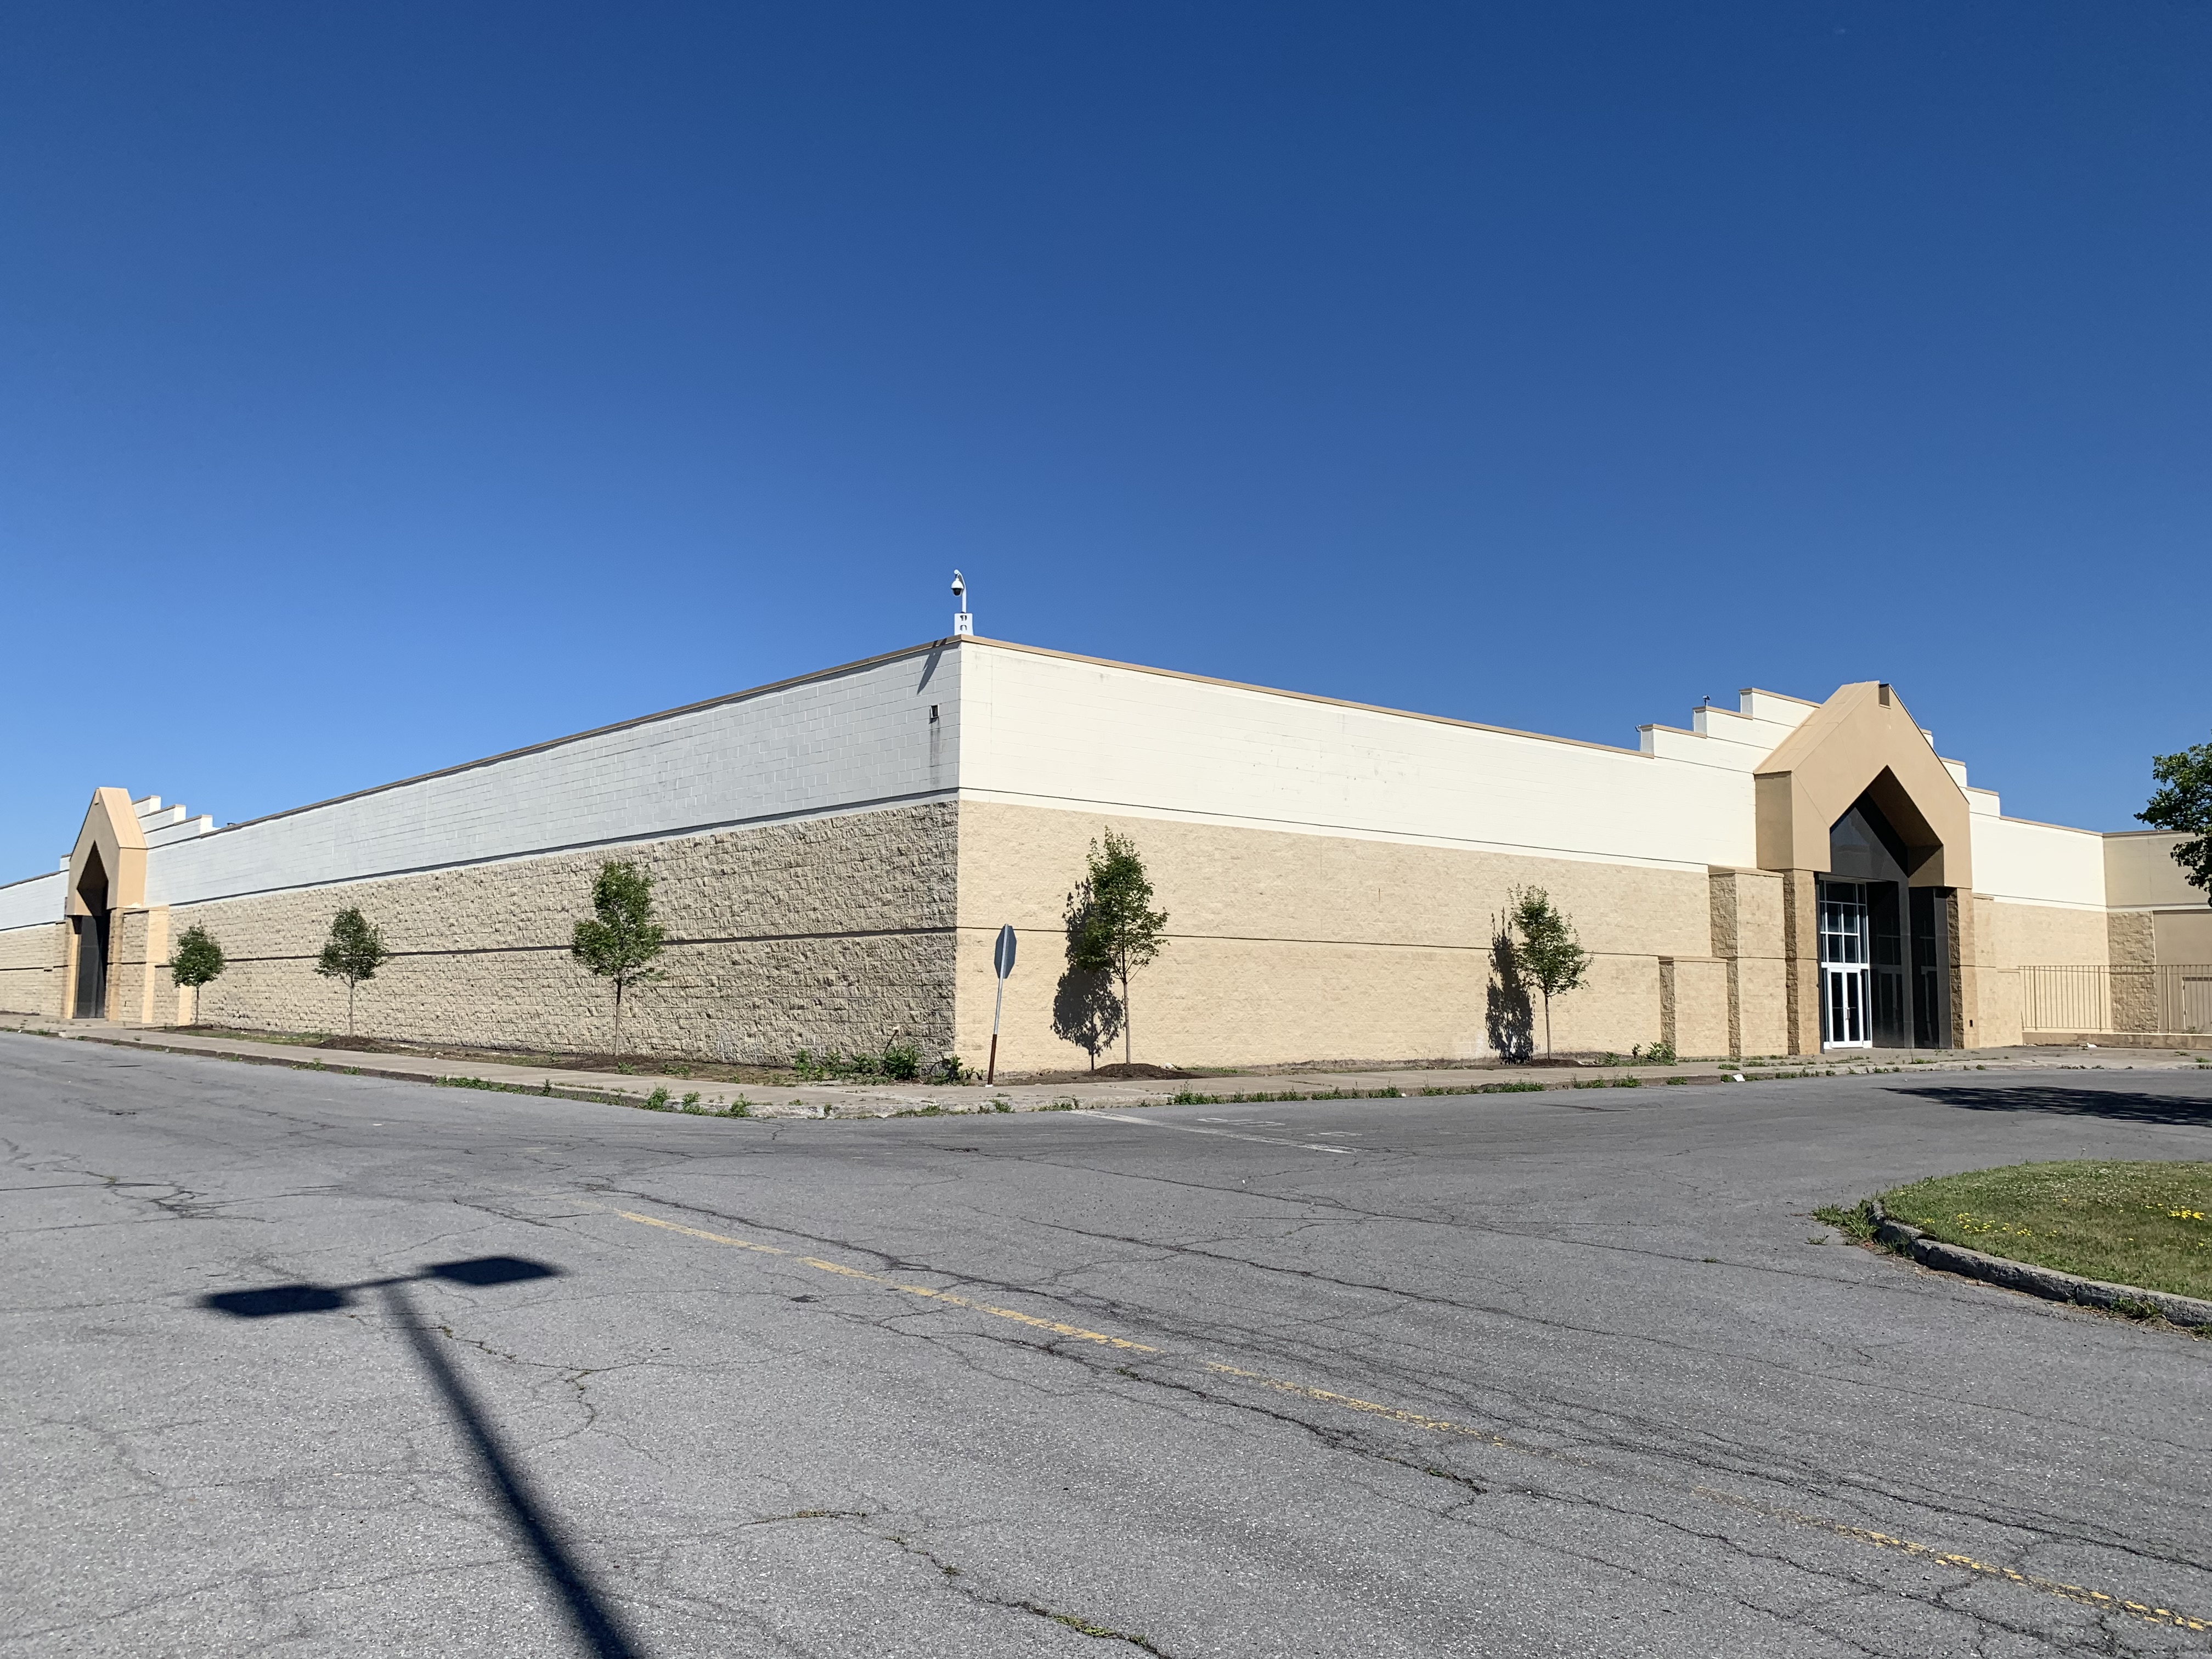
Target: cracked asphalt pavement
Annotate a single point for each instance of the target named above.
(305, 1364)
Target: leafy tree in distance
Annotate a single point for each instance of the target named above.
(1545, 949)
(2184, 803)
(354, 952)
(1112, 926)
(619, 939)
(196, 960)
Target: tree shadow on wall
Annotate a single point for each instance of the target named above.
(1086, 1013)
(1511, 1016)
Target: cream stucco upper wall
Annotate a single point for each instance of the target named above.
(1064, 731)
(1739, 739)
(2140, 871)
(1042, 727)
(846, 739)
(2040, 863)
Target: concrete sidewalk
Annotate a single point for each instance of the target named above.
(890, 1100)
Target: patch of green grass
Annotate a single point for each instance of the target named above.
(2130, 1224)
(1856, 1224)
(476, 1083)
(1187, 1097)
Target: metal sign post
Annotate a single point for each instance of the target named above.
(1002, 959)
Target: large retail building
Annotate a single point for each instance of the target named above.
(834, 856)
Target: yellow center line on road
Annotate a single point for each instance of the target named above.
(2088, 1598)
(2077, 1594)
(1353, 1403)
(924, 1291)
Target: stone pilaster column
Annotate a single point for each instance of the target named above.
(1801, 952)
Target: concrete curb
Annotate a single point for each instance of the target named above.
(2047, 1282)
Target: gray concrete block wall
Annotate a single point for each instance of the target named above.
(31, 970)
(31, 901)
(829, 931)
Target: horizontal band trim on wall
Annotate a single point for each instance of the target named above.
(844, 810)
(1371, 944)
(1038, 802)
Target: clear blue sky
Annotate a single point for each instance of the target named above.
(385, 386)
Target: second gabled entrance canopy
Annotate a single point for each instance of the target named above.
(1863, 742)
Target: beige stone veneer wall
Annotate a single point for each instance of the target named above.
(1289, 947)
(832, 931)
(31, 970)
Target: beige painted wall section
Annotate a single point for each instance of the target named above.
(832, 931)
(2185, 936)
(1289, 947)
(31, 970)
(2140, 871)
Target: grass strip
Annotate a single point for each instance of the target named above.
(2148, 1224)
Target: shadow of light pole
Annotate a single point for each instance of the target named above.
(595, 1622)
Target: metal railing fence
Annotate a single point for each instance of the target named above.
(2168, 996)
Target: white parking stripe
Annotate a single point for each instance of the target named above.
(1226, 1134)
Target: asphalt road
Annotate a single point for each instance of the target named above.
(302, 1365)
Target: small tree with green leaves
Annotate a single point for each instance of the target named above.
(195, 962)
(619, 941)
(354, 952)
(1545, 949)
(2183, 802)
(1112, 926)
(1085, 1010)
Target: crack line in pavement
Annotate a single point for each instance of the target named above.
(2077, 1594)
(1864, 1534)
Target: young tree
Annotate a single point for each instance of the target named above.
(2185, 804)
(1545, 949)
(1085, 1010)
(195, 961)
(1510, 1016)
(1112, 926)
(619, 939)
(354, 952)
(1086, 1013)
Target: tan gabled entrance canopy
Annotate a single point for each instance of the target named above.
(111, 831)
(1863, 742)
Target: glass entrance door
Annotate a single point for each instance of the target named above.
(1844, 1022)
